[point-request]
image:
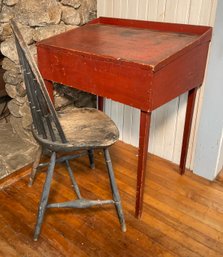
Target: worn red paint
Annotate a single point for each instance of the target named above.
(139, 63)
(145, 120)
(187, 128)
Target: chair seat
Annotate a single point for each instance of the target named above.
(89, 127)
(85, 128)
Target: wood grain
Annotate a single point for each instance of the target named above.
(183, 216)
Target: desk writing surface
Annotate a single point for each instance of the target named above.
(143, 46)
(138, 63)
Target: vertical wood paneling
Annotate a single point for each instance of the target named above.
(213, 13)
(181, 16)
(170, 10)
(117, 7)
(206, 10)
(142, 9)
(131, 12)
(117, 109)
(109, 8)
(152, 10)
(135, 127)
(205, 13)
(132, 9)
(168, 120)
(124, 7)
(180, 118)
(195, 11)
(161, 10)
(127, 124)
(101, 7)
(139, 14)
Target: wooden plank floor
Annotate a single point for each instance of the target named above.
(183, 216)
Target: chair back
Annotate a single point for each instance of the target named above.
(45, 119)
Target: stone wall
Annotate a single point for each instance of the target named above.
(38, 19)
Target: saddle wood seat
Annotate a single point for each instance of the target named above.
(91, 129)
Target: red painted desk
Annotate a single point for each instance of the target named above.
(139, 63)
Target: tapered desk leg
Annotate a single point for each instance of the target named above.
(142, 158)
(187, 128)
(49, 86)
(100, 103)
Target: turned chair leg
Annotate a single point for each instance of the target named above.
(73, 180)
(114, 189)
(91, 158)
(35, 166)
(44, 197)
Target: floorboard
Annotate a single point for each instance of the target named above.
(183, 215)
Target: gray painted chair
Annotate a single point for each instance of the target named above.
(83, 129)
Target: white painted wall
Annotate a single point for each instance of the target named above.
(167, 121)
(209, 150)
(219, 165)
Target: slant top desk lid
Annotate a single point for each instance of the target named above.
(148, 44)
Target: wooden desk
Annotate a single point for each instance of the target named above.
(139, 63)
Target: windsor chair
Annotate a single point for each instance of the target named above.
(82, 129)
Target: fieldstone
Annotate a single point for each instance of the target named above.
(24, 109)
(85, 100)
(27, 121)
(70, 16)
(38, 13)
(6, 14)
(25, 112)
(14, 161)
(17, 125)
(10, 2)
(3, 121)
(33, 51)
(4, 112)
(78, 97)
(73, 3)
(7, 64)
(13, 107)
(5, 31)
(3, 169)
(27, 33)
(88, 10)
(66, 91)
(21, 89)
(60, 101)
(15, 152)
(51, 30)
(12, 77)
(8, 49)
(20, 99)
(11, 90)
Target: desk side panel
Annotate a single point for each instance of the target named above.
(111, 79)
(179, 76)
